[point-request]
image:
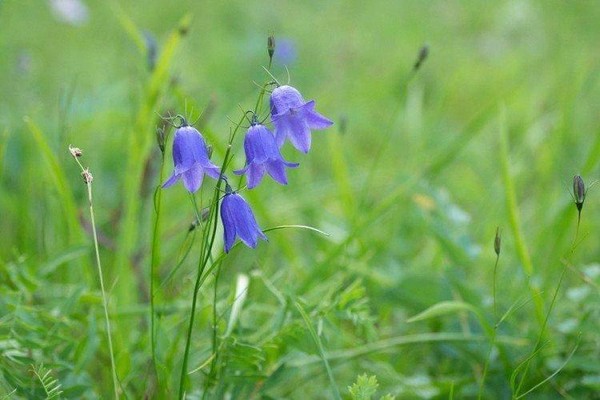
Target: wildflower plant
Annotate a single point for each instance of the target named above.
(292, 118)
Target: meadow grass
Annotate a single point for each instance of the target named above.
(379, 276)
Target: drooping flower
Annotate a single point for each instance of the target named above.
(190, 156)
(294, 118)
(238, 220)
(263, 155)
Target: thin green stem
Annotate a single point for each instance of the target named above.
(154, 262)
(88, 181)
(494, 332)
(538, 342)
(214, 325)
(201, 266)
(494, 287)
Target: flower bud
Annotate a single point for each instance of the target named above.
(271, 46)
(497, 241)
(578, 191)
(423, 53)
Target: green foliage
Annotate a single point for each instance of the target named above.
(365, 388)
(410, 184)
(49, 383)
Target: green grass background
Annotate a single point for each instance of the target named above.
(411, 191)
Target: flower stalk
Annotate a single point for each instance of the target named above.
(88, 178)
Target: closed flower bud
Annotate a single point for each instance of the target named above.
(578, 191)
(423, 53)
(271, 45)
(497, 241)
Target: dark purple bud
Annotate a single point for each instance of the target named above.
(271, 45)
(578, 191)
(497, 241)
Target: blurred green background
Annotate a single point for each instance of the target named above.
(409, 183)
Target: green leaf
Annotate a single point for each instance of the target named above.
(443, 308)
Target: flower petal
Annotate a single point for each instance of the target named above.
(255, 175)
(171, 181)
(192, 178)
(277, 171)
(228, 223)
(246, 227)
(313, 118)
(300, 137)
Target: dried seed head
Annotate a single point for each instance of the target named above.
(497, 241)
(578, 191)
(87, 176)
(75, 151)
(271, 45)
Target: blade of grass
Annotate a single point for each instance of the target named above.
(390, 343)
(59, 180)
(141, 137)
(319, 343)
(514, 220)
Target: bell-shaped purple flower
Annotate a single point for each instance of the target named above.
(263, 155)
(294, 118)
(190, 156)
(238, 220)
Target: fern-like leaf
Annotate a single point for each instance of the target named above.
(51, 385)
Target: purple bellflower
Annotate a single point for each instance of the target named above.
(263, 155)
(190, 156)
(294, 118)
(238, 220)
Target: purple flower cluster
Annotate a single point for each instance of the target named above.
(292, 118)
